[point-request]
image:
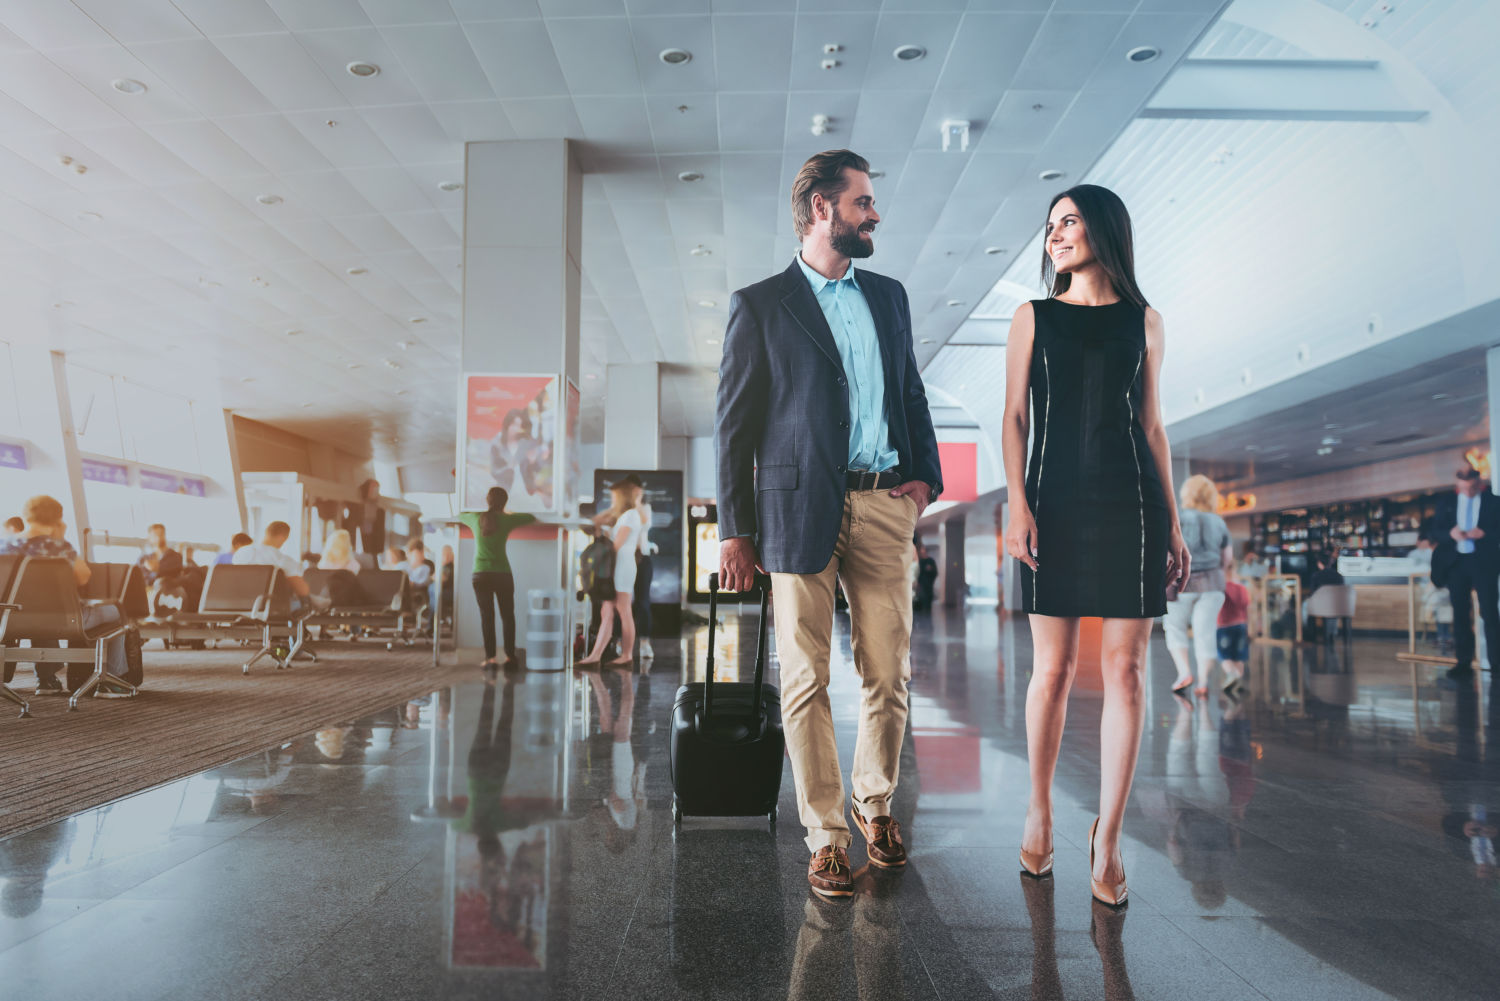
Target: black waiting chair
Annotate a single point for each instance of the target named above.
(252, 602)
(372, 600)
(122, 585)
(50, 612)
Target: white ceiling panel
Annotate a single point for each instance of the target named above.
(280, 146)
(46, 26)
(278, 66)
(474, 121)
(406, 12)
(439, 61)
(654, 34)
(987, 50)
(1067, 49)
(753, 52)
(242, 17)
(348, 142)
(596, 55)
(750, 175)
(334, 49)
(313, 15)
(683, 123)
(95, 66)
(616, 125)
(887, 120)
(851, 31)
(33, 81)
(932, 30)
(752, 122)
(518, 58)
(196, 69)
(543, 117)
(135, 23)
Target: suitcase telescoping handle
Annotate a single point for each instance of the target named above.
(763, 585)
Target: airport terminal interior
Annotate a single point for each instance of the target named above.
(294, 290)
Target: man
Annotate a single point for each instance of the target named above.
(365, 520)
(239, 541)
(419, 571)
(268, 553)
(1467, 562)
(826, 459)
(927, 575)
(44, 536)
(161, 562)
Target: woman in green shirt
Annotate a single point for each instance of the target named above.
(493, 581)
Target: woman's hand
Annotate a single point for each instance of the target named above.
(1179, 559)
(1020, 535)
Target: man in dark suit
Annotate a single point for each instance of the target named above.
(365, 521)
(1467, 561)
(827, 458)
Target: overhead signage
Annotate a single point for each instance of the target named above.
(13, 456)
(169, 483)
(99, 471)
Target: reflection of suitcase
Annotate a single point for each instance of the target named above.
(727, 743)
(720, 929)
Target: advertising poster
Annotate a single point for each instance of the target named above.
(664, 492)
(574, 436)
(510, 441)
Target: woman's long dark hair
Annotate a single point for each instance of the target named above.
(495, 500)
(1107, 222)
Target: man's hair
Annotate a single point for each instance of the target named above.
(278, 529)
(240, 539)
(14, 524)
(416, 544)
(42, 510)
(158, 527)
(822, 174)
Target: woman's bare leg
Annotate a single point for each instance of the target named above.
(1123, 661)
(606, 630)
(627, 628)
(1054, 643)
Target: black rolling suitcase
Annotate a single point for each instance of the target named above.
(727, 743)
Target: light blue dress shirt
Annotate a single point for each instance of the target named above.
(1468, 518)
(853, 329)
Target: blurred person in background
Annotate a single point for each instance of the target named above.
(13, 527)
(392, 558)
(238, 542)
(494, 584)
(1197, 606)
(1467, 562)
(338, 553)
(45, 537)
(644, 570)
(268, 552)
(160, 564)
(626, 520)
(365, 520)
(1233, 634)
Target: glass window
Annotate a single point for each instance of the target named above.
(157, 427)
(96, 416)
(10, 408)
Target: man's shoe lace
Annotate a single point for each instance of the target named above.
(831, 864)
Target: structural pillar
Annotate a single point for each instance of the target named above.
(523, 206)
(632, 417)
(952, 573)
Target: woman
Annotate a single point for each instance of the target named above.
(512, 451)
(1198, 605)
(338, 553)
(645, 569)
(1094, 508)
(623, 514)
(493, 582)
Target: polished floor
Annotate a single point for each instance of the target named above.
(1330, 835)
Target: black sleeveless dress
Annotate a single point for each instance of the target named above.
(1100, 509)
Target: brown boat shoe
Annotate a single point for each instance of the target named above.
(828, 872)
(883, 840)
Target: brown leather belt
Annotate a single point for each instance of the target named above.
(863, 479)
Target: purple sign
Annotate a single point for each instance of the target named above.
(12, 456)
(106, 472)
(169, 484)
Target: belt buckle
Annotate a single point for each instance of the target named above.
(874, 479)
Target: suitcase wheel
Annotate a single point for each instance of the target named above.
(771, 817)
(676, 813)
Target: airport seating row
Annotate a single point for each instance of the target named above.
(41, 607)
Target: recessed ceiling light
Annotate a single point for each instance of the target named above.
(406, 345)
(1050, 175)
(689, 176)
(247, 378)
(354, 364)
(707, 303)
(268, 199)
(363, 69)
(356, 271)
(994, 250)
(876, 175)
(293, 333)
(924, 340)
(700, 251)
(909, 53)
(450, 185)
(675, 57)
(391, 363)
(416, 319)
(125, 85)
(955, 302)
(88, 217)
(1143, 53)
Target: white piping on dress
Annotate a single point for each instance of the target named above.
(1042, 458)
(1139, 495)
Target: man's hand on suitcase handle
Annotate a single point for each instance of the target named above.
(738, 564)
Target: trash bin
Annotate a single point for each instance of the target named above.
(546, 629)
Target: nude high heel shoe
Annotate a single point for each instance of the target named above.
(1036, 863)
(1112, 894)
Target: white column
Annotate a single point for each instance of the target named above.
(39, 381)
(522, 247)
(632, 417)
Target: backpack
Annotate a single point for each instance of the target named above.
(596, 567)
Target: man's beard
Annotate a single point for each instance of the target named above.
(845, 239)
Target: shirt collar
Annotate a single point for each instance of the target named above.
(818, 282)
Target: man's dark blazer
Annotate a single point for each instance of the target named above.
(1445, 555)
(782, 430)
(354, 522)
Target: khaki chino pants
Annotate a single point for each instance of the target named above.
(872, 558)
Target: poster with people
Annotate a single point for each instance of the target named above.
(510, 441)
(574, 434)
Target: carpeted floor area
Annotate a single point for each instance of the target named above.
(195, 711)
